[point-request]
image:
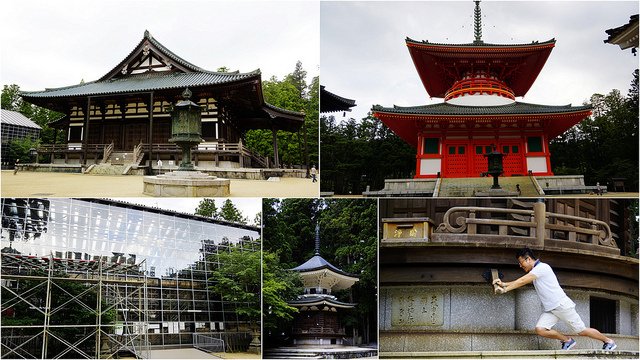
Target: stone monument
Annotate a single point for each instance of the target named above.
(186, 132)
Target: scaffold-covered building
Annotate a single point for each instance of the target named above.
(15, 126)
(97, 278)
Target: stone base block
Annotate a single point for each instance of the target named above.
(186, 184)
(425, 342)
(496, 193)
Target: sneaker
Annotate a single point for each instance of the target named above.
(568, 345)
(609, 346)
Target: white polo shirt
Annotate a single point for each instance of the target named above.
(547, 287)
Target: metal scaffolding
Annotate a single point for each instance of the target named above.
(105, 287)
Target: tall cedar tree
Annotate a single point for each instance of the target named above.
(291, 93)
(357, 154)
(605, 145)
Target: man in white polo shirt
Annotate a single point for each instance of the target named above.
(557, 305)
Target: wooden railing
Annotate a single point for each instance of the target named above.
(138, 154)
(220, 148)
(107, 152)
(536, 224)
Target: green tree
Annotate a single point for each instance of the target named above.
(11, 100)
(257, 220)
(605, 145)
(349, 228)
(237, 280)
(278, 286)
(20, 149)
(291, 93)
(357, 154)
(229, 212)
(207, 208)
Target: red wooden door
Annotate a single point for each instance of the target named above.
(456, 160)
(513, 160)
(479, 160)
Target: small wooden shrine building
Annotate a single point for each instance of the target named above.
(318, 321)
(127, 111)
(479, 83)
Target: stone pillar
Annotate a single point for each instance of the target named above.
(276, 159)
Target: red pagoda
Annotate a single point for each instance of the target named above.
(479, 83)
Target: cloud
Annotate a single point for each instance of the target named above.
(364, 56)
(54, 44)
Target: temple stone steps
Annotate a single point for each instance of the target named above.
(120, 158)
(467, 187)
(319, 352)
(516, 354)
(106, 169)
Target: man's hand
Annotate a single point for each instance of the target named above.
(498, 282)
(500, 290)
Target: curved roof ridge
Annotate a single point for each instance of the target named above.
(484, 44)
(451, 109)
(284, 111)
(171, 54)
(163, 49)
(58, 88)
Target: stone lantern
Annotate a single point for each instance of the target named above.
(186, 132)
(186, 128)
(494, 168)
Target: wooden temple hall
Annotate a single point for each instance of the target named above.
(124, 117)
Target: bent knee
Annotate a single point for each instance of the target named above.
(541, 330)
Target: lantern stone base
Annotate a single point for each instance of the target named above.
(186, 184)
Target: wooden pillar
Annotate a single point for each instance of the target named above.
(539, 210)
(102, 121)
(150, 129)
(276, 159)
(85, 132)
(306, 149)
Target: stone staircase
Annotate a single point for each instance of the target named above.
(274, 354)
(120, 158)
(467, 187)
(117, 162)
(320, 352)
(106, 169)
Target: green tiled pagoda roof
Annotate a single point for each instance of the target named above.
(517, 108)
(142, 82)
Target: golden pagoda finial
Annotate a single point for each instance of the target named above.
(477, 23)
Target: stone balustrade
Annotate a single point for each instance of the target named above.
(499, 226)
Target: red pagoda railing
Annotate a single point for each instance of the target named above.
(479, 85)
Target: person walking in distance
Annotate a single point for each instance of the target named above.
(314, 173)
(557, 305)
